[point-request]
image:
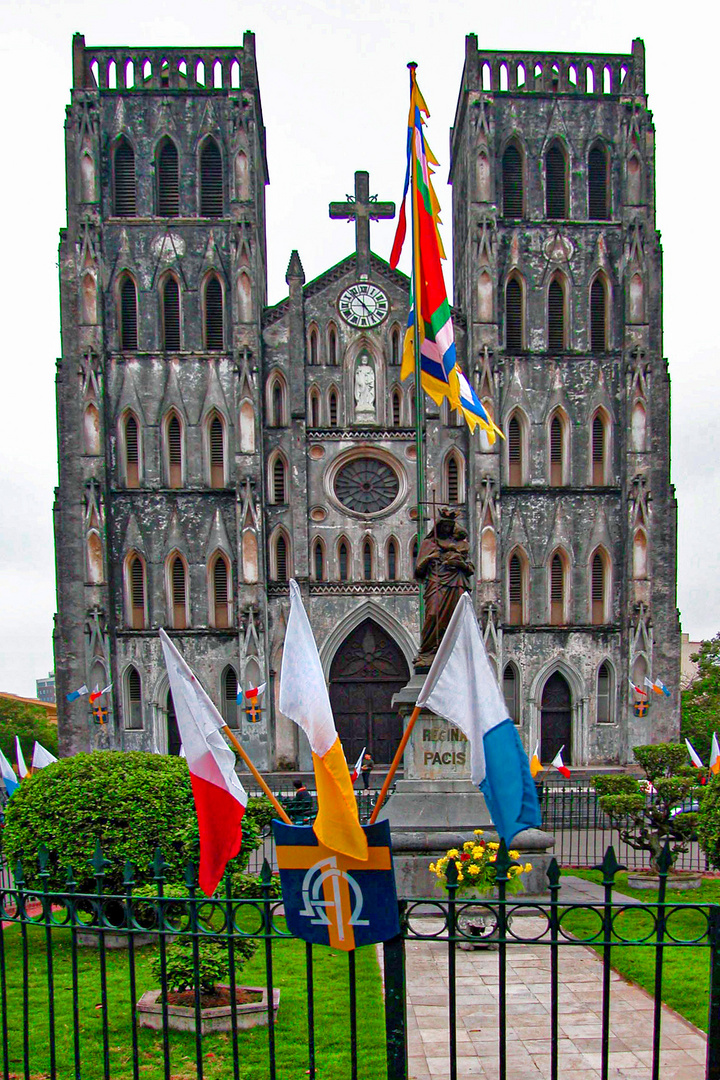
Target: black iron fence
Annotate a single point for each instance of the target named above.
(87, 980)
(583, 832)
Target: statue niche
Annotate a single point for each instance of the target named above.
(444, 565)
(364, 390)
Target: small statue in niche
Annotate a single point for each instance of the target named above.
(364, 388)
(444, 565)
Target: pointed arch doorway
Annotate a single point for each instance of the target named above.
(367, 669)
(556, 719)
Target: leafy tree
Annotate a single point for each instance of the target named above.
(643, 812)
(129, 803)
(701, 700)
(29, 722)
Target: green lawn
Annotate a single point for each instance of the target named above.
(332, 1034)
(686, 969)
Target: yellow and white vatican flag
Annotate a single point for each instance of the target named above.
(304, 699)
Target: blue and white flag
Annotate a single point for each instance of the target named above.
(461, 687)
(80, 692)
(9, 778)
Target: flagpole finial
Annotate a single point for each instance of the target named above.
(412, 65)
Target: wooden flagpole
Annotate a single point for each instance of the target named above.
(395, 763)
(281, 813)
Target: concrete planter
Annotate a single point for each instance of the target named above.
(219, 1018)
(681, 879)
(114, 940)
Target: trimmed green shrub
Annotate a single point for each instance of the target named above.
(131, 803)
(645, 821)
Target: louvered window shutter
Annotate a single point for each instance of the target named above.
(319, 562)
(597, 588)
(174, 436)
(277, 403)
(556, 452)
(556, 184)
(333, 410)
(168, 181)
(137, 593)
(134, 699)
(179, 596)
(598, 334)
(515, 584)
(128, 314)
(513, 316)
(217, 453)
(220, 593)
(230, 692)
(132, 453)
(124, 180)
(598, 184)
(598, 451)
(603, 695)
(396, 409)
(556, 317)
(281, 558)
(512, 183)
(510, 692)
(557, 591)
(214, 335)
(211, 180)
(171, 316)
(515, 452)
(279, 493)
(453, 481)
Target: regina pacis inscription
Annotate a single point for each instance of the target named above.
(439, 750)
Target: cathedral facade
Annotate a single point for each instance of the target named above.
(212, 446)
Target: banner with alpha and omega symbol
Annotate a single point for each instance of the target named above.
(332, 899)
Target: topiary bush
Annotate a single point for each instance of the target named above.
(131, 803)
(213, 964)
(645, 819)
(708, 822)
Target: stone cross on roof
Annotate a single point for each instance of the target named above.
(364, 208)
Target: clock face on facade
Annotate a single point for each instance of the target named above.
(366, 486)
(363, 305)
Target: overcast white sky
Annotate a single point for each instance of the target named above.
(333, 81)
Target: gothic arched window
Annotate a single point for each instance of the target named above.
(516, 590)
(557, 590)
(313, 350)
(333, 408)
(124, 200)
(211, 180)
(515, 451)
(344, 560)
(319, 560)
(512, 179)
(128, 314)
(332, 345)
(367, 561)
(511, 692)
(174, 443)
(131, 441)
(392, 560)
(177, 573)
(395, 345)
(216, 439)
(598, 183)
(314, 409)
(555, 183)
(229, 695)
(279, 481)
(220, 591)
(598, 315)
(214, 329)
(452, 479)
(599, 449)
(282, 558)
(277, 403)
(605, 694)
(168, 180)
(556, 315)
(395, 406)
(598, 588)
(513, 315)
(135, 590)
(91, 429)
(171, 315)
(133, 700)
(557, 451)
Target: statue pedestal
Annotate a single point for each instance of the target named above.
(436, 806)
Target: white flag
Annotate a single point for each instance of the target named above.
(694, 756)
(41, 757)
(22, 767)
(303, 692)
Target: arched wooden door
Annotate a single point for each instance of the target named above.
(367, 670)
(173, 732)
(556, 719)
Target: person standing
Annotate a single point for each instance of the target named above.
(365, 769)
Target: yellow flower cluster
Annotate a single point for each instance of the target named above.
(475, 865)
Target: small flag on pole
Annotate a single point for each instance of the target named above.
(41, 757)
(715, 755)
(8, 774)
(637, 689)
(356, 768)
(658, 686)
(99, 693)
(304, 699)
(560, 765)
(535, 766)
(22, 767)
(461, 686)
(220, 798)
(694, 756)
(251, 697)
(80, 692)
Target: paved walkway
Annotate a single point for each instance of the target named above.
(528, 1012)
